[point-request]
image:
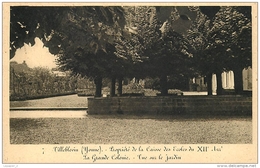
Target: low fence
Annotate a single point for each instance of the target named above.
(172, 105)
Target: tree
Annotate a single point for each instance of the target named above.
(241, 46)
(29, 22)
(201, 37)
(157, 46)
(75, 34)
(174, 55)
(232, 31)
(90, 42)
(222, 41)
(170, 56)
(96, 66)
(125, 64)
(138, 35)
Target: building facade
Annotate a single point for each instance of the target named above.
(227, 81)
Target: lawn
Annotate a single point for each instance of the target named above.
(131, 130)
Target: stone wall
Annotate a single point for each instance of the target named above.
(172, 105)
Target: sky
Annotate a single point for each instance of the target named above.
(35, 56)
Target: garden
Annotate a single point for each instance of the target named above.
(106, 45)
(170, 44)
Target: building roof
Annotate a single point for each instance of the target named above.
(23, 67)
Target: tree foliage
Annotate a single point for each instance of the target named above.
(222, 41)
(154, 45)
(28, 22)
(82, 37)
(138, 41)
(141, 32)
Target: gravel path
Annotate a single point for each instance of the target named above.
(60, 101)
(48, 114)
(130, 130)
(67, 101)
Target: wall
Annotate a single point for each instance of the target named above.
(178, 105)
(247, 79)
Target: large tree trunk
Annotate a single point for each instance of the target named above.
(98, 83)
(219, 83)
(164, 85)
(209, 83)
(238, 79)
(120, 87)
(112, 87)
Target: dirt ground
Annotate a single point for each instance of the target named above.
(70, 101)
(59, 101)
(130, 130)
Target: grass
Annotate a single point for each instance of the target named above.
(131, 130)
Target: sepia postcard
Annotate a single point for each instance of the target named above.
(164, 83)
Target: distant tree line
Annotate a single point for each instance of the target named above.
(38, 82)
